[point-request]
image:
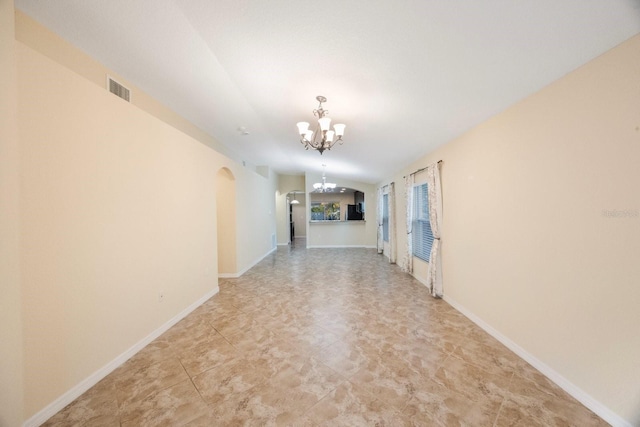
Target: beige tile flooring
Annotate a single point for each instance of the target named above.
(325, 337)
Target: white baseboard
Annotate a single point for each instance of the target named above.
(240, 273)
(75, 392)
(339, 246)
(288, 243)
(580, 395)
(228, 276)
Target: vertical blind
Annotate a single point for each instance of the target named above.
(385, 217)
(422, 235)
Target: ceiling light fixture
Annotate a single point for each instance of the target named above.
(324, 186)
(323, 138)
(294, 201)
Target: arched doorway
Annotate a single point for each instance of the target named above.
(296, 215)
(226, 214)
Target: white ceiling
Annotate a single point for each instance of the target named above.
(405, 76)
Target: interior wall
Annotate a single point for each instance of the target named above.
(11, 368)
(41, 39)
(255, 217)
(541, 229)
(300, 215)
(226, 222)
(118, 209)
(119, 218)
(356, 233)
(282, 218)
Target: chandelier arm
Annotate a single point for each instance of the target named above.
(334, 143)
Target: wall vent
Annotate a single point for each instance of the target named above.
(118, 90)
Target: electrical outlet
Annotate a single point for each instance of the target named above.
(160, 296)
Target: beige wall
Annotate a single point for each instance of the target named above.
(289, 183)
(256, 216)
(345, 233)
(300, 215)
(541, 228)
(41, 39)
(11, 367)
(226, 222)
(255, 221)
(118, 208)
(338, 234)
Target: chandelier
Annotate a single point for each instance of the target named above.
(324, 186)
(323, 138)
(294, 201)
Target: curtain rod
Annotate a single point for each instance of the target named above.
(420, 170)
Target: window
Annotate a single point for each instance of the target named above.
(422, 236)
(325, 211)
(385, 217)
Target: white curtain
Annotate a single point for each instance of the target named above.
(407, 259)
(380, 221)
(392, 224)
(434, 272)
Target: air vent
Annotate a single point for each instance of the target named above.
(118, 90)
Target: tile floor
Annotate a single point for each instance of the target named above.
(325, 337)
